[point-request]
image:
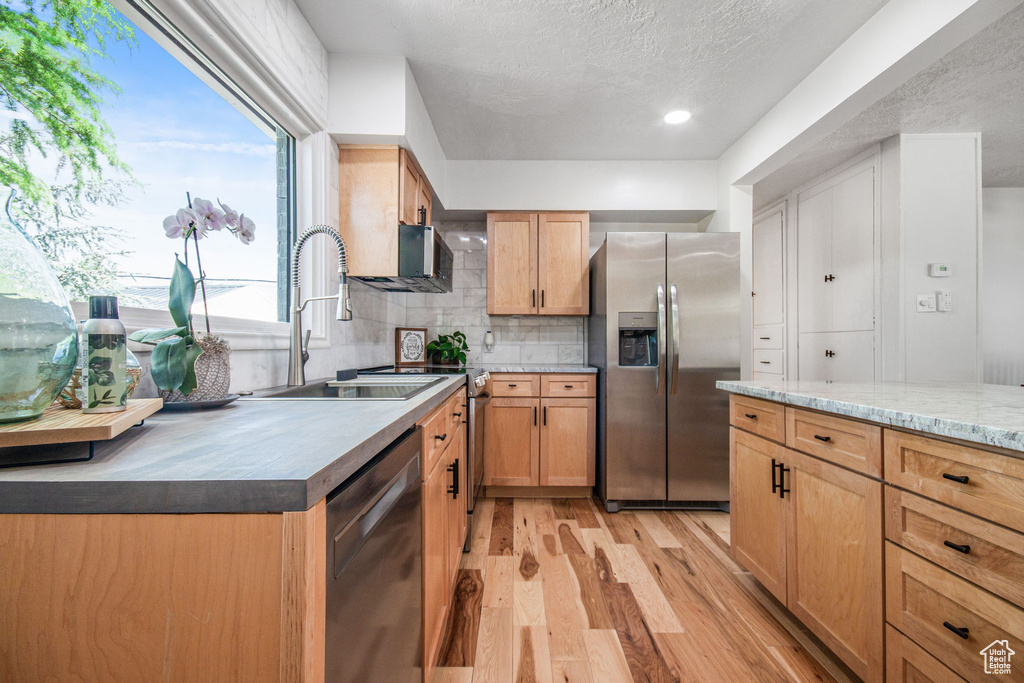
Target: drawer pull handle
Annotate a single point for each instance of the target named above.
(440, 437)
(568, 386)
(963, 548)
(766, 362)
(765, 338)
(775, 481)
(826, 439)
(752, 416)
(457, 414)
(512, 386)
(962, 632)
(956, 477)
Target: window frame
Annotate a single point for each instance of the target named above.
(242, 333)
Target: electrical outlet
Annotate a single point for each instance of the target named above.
(926, 303)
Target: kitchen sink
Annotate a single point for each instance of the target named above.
(358, 389)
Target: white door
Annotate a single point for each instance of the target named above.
(814, 256)
(812, 361)
(853, 253)
(837, 356)
(768, 268)
(854, 359)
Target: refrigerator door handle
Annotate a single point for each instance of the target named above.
(661, 340)
(673, 363)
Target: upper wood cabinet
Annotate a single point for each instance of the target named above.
(538, 264)
(380, 187)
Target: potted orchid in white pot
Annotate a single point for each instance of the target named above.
(189, 366)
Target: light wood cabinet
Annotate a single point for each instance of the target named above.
(811, 532)
(512, 450)
(567, 441)
(538, 264)
(444, 518)
(381, 186)
(907, 662)
(757, 514)
(541, 430)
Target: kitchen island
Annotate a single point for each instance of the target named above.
(889, 518)
(192, 548)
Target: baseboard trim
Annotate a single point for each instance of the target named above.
(538, 491)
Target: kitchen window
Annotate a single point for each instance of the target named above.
(182, 126)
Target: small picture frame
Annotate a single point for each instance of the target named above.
(410, 346)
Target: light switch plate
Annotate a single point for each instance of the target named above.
(926, 303)
(944, 301)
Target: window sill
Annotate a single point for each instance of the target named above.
(242, 334)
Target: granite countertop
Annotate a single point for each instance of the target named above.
(265, 455)
(560, 369)
(983, 413)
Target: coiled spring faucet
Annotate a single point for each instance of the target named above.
(298, 348)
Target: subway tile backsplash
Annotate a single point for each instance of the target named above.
(517, 339)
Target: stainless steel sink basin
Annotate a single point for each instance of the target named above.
(359, 389)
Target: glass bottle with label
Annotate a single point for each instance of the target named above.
(106, 366)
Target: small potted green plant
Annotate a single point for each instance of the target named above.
(448, 349)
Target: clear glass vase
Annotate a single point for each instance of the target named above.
(38, 337)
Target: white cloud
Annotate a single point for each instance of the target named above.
(245, 148)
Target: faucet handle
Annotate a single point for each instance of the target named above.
(305, 346)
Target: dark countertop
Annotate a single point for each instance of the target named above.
(267, 455)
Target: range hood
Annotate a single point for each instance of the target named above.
(424, 263)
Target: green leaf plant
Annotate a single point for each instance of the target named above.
(175, 349)
(449, 348)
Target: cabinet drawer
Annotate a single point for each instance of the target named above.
(455, 408)
(986, 484)
(851, 444)
(767, 337)
(515, 385)
(979, 551)
(927, 603)
(568, 386)
(768, 361)
(763, 418)
(908, 662)
(435, 437)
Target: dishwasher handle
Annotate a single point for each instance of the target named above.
(351, 538)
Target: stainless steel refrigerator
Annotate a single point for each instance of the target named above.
(664, 326)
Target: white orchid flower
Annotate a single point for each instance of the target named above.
(230, 215)
(212, 217)
(178, 225)
(246, 231)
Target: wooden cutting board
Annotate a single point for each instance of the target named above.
(61, 425)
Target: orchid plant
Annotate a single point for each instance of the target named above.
(175, 349)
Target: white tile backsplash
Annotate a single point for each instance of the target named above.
(518, 339)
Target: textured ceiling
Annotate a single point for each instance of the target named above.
(592, 79)
(978, 87)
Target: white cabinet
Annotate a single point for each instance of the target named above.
(837, 356)
(836, 277)
(836, 253)
(768, 266)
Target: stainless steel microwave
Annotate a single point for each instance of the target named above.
(424, 263)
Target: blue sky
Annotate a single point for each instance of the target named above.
(180, 135)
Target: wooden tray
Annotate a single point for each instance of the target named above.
(61, 425)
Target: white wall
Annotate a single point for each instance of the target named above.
(940, 205)
(1002, 293)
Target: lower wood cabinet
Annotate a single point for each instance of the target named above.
(811, 532)
(444, 518)
(540, 442)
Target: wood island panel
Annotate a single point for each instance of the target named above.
(162, 597)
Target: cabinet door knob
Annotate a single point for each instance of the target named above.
(959, 547)
(956, 477)
(962, 632)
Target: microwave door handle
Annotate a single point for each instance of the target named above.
(428, 251)
(661, 340)
(674, 349)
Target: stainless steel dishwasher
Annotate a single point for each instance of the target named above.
(374, 620)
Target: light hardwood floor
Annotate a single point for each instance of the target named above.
(560, 591)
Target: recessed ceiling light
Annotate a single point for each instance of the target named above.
(677, 116)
